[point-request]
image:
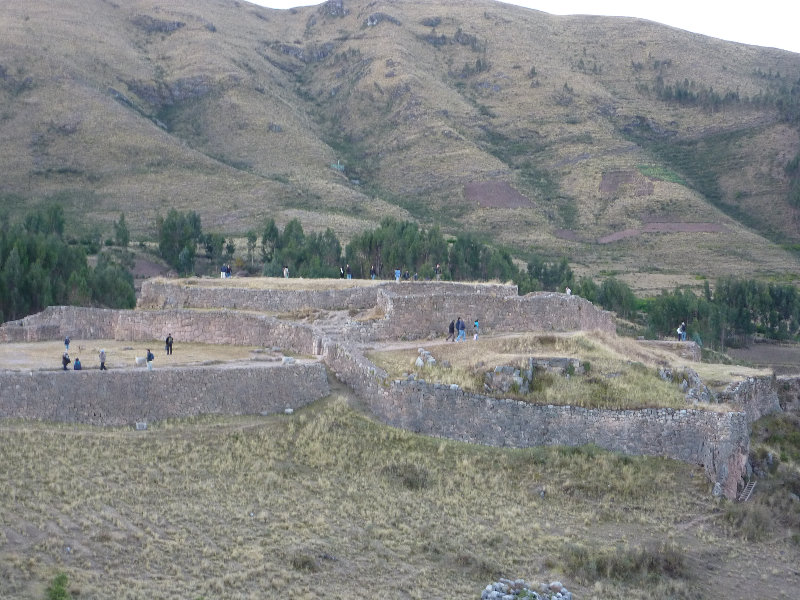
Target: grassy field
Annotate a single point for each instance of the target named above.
(328, 504)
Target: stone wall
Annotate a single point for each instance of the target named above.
(718, 441)
(191, 293)
(414, 315)
(218, 327)
(124, 397)
(789, 393)
(756, 396)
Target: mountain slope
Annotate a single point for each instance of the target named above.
(631, 147)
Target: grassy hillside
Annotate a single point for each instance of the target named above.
(628, 146)
(328, 504)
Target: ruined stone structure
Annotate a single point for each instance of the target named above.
(120, 397)
(719, 441)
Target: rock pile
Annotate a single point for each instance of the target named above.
(690, 383)
(425, 359)
(505, 589)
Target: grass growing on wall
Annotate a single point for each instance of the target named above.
(612, 381)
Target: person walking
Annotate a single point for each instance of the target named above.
(451, 332)
(168, 344)
(150, 358)
(461, 327)
(66, 344)
(103, 360)
(477, 327)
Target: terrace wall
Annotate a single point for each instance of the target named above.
(124, 397)
(217, 327)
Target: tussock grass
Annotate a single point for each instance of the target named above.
(321, 501)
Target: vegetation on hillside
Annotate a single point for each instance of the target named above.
(331, 121)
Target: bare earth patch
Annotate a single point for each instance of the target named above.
(46, 356)
(494, 194)
(662, 228)
(627, 183)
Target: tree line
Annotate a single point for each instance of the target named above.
(737, 310)
(39, 268)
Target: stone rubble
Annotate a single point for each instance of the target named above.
(506, 589)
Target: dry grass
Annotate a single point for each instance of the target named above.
(622, 373)
(327, 502)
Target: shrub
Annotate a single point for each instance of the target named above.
(57, 590)
(626, 563)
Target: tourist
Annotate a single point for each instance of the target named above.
(285, 272)
(438, 272)
(65, 360)
(451, 332)
(682, 332)
(150, 358)
(372, 272)
(341, 272)
(397, 275)
(461, 327)
(476, 326)
(77, 366)
(66, 343)
(168, 344)
(349, 272)
(103, 360)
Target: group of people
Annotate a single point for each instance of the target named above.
(346, 271)
(682, 332)
(457, 330)
(77, 366)
(225, 271)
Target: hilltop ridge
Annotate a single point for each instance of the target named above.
(628, 146)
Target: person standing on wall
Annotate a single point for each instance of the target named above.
(168, 344)
(65, 360)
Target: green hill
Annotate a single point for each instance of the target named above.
(630, 147)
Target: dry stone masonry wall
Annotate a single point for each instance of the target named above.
(124, 397)
(218, 327)
(718, 441)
